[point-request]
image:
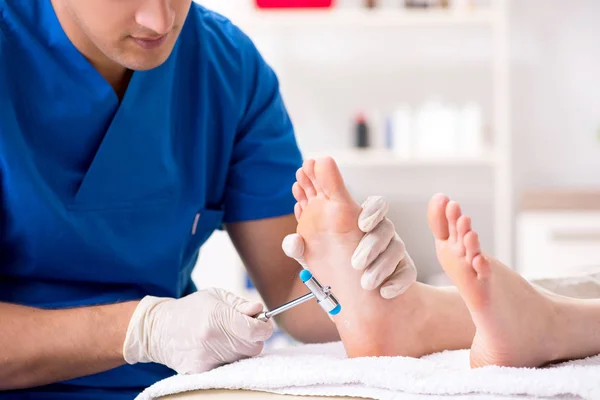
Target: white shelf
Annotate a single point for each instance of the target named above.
(386, 158)
(362, 18)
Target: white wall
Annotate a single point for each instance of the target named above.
(556, 87)
(327, 75)
(555, 82)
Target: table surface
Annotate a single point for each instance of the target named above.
(254, 395)
(243, 395)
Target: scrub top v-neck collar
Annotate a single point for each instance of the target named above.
(57, 38)
(116, 167)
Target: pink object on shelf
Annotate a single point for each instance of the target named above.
(294, 3)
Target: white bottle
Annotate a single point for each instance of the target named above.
(429, 132)
(376, 129)
(402, 132)
(470, 130)
(436, 133)
(447, 132)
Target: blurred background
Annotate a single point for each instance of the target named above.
(496, 103)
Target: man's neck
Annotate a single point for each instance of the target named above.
(115, 74)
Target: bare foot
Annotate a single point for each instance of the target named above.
(515, 324)
(421, 321)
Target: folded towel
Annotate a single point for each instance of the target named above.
(324, 370)
(583, 283)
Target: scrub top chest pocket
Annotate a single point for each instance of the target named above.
(202, 225)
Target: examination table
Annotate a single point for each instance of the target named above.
(244, 395)
(438, 376)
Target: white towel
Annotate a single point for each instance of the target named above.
(324, 370)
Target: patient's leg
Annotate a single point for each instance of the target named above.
(423, 320)
(516, 325)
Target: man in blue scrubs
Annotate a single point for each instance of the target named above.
(129, 131)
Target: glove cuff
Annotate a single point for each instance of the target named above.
(137, 341)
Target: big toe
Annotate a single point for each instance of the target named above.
(436, 214)
(330, 181)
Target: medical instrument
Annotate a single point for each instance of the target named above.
(324, 296)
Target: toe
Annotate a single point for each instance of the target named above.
(453, 213)
(472, 246)
(463, 226)
(309, 169)
(436, 214)
(297, 211)
(482, 266)
(330, 180)
(299, 193)
(306, 184)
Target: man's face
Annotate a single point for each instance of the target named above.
(137, 34)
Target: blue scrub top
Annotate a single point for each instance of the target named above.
(104, 201)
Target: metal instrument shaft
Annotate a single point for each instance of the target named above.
(266, 315)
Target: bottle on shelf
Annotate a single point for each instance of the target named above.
(401, 131)
(426, 3)
(361, 132)
(470, 130)
(435, 130)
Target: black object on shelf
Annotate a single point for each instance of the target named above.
(361, 132)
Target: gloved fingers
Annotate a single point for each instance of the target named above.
(253, 349)
(293, 247)
(251, 330)
(242, 322)
(374, 210)
(239, 304)
(404, 276)
(249, 308)
(373, 244)
(383, 267)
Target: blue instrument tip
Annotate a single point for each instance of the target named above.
(305, 275)
(336, 310)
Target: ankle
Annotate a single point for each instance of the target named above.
(558, 322)
(421, 315)
(580, 328)
(572, 328)
(445, 320)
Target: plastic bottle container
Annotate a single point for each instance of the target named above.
(470, 130)
(361, 132)
(402, 131)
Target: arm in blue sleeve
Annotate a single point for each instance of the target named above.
(265, 155)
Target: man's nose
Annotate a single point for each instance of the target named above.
(156, 15)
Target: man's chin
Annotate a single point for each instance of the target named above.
(145, 64)
(144, 60)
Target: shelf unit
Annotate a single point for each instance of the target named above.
(494, 19)
(361, 18)
(386, 158)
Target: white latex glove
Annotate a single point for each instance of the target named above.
(381, 253)
(195, 333)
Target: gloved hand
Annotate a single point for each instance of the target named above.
(381, 253)
(195, 333)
